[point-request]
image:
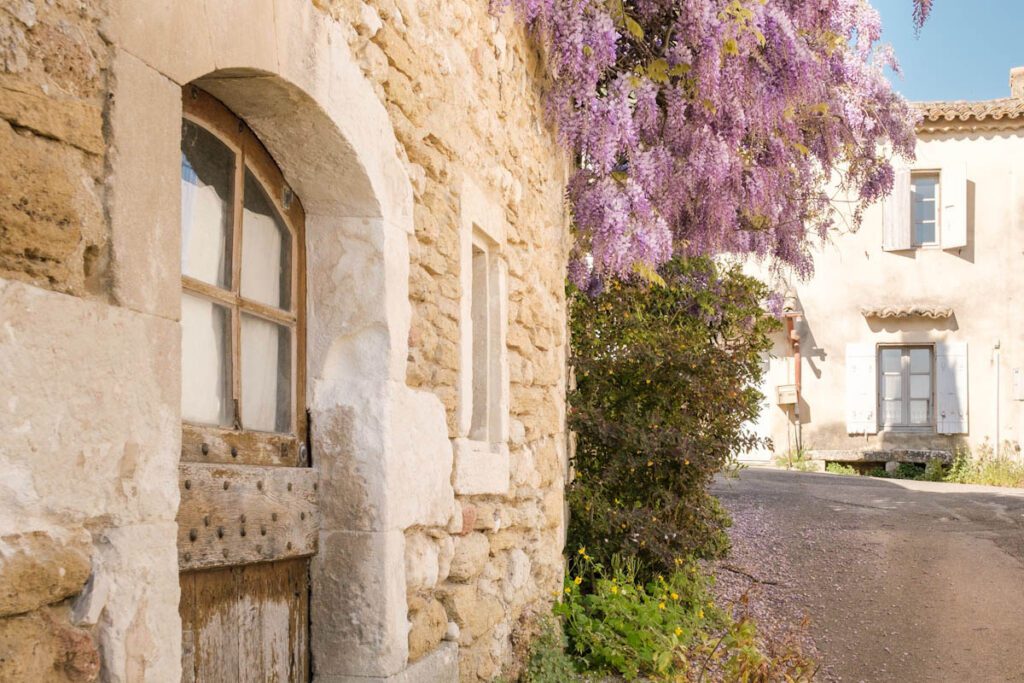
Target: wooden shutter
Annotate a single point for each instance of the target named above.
(861, 388)
(953, 194)
(951, 387)
(896, 213)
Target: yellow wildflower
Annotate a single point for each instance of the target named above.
(578, 580)
(700, 614)
(679, 631)
(582, 550)
(661, 605)
(615, 590)
(568, 589)
(675, 596)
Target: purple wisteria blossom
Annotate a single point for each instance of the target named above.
(715, 126)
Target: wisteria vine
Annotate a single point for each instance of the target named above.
(715, 126)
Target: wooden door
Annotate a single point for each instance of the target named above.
(248, 518)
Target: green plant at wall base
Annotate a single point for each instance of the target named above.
(666, 383)
(798, 459)
(668, 628)
(548, 661)
(986, 468)
(840, 468)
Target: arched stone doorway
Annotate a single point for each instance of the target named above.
(380, 448)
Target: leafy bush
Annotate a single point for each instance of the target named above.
(664, 629)
(840, 468)
(666, 383)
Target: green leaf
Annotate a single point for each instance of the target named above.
(649, 274)
(634, 28)
(657, 71)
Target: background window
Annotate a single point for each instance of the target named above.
(924, 195)
(905, 386)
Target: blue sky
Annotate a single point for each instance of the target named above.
(965, 50)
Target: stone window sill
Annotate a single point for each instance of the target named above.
(480, 467)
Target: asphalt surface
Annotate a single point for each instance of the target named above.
(900, 580)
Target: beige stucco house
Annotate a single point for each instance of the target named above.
(282, 341)
(908, 341)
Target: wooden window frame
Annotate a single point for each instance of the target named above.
(905, 374)
(206, 443)
(937, 221)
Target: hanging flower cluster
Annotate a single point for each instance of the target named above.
(716, 126)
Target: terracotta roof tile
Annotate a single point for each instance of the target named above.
(1007, 108)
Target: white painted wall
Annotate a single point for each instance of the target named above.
(981, 282)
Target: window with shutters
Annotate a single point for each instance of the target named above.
(906, 387)
(927, 208)
(241, 304)
(924, 205)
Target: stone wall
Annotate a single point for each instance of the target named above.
(90, 428)
(462, 87)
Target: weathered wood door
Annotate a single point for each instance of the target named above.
(248, 519)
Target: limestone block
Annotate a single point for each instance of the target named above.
(50, 213)
(421, 562)
(42, 646)
(517, 576)
(471, 554)
(39, 568)
(135, 571)
(427, 625)
(361, 608)
(71, 120)
(480, 468)
(144, 160)
(420, 490)
(473, 612)
(164, 36)
(90, 424)
(444, 561)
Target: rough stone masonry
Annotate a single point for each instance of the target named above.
(447, 96)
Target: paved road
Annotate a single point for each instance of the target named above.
(903, 581)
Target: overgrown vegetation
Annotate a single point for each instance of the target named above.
(986, 468)
(840, 468)
(798, 459)
(668, 628)
(665, 388)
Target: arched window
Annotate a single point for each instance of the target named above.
(242, 306)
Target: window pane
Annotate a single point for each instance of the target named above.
(266, 249)
(924, 233)
(892, 412)
(891, 360)
(920, 386)
(207, 179)
(205, 369)
(266, 375)
(891, 387)
(924, 211)
(924, 187)
(919, 412)
(920, 360)
(479, 308)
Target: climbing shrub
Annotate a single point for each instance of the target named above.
(666, 380)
